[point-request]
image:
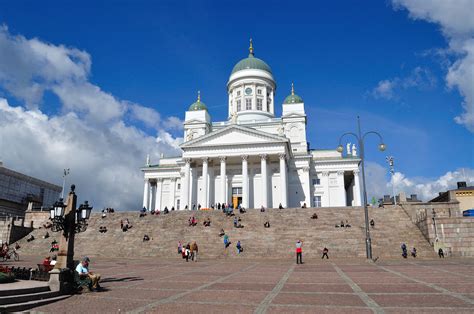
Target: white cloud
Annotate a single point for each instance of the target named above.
(420, 78)
(89, 135)
(379, 182)
(457, 25)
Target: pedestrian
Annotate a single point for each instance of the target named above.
(226, 241)
(413, 252)
(180, 247)
(188, 251)
(440, 253)
(299, 252)
(239, 247)
(372, 223)
(325, 253)
(194, 251)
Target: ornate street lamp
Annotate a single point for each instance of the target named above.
(390, 162)
(69, 220)
(360, 138)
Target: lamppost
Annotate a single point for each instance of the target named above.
(65, 173)
(360, 138)
(392, 172)
(70, 220)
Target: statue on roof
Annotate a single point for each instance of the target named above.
(354, 150)
(348, 148)
(148, 159)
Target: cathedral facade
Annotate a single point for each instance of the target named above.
(253, 158)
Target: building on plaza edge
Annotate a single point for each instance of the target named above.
(253, 158)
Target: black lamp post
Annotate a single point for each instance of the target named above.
(70, 220)
(360, 138)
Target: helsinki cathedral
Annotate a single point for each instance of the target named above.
(253, 158)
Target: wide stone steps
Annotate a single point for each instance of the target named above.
(393, 227)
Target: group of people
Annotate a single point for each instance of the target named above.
(237, 222)
(405, 251)
(188, 251)
(49, 262)
(343, 225)
(54, 246)
(192, 221)
(125, 225)
(103, 229)
(107, 210)
(299, 252)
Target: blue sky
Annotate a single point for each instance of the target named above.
(387, 62)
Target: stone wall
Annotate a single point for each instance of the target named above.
(13, 229)
(37, 218)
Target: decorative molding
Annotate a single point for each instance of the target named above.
(245, 157)
(325, 173)
(263, 156)
(306, 169)
(187, 160)
(340, 172)
(205, 160)
(282, 155)
(222, 158)
(356, 172)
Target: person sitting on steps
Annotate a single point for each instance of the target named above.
(221, 233)
(207, 222)
(304, 205)
(262, 209)
(314, 216)
(266, 224)
(342, 224)
(372, 223)
(325, 253)
(237, 223)
(280, 206)
(347, 224)
(146, 238)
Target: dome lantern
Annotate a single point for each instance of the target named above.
(293, 98)
(198, 105)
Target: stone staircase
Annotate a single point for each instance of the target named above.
(27, 297)
(392, 227)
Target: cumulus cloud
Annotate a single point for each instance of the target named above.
(420, 78)
(380, 183)
(89, 134)
(457, 25)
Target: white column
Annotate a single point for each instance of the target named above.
(263, 166)
(146, 194)
(306, 186)
(204, 182)
(341, 189)
(356, 189)
(254, 98)
(327, 196)
(283, 181)
(173, 191)
(245, 182)
(158, 189)
(185, 185)
(223, 197)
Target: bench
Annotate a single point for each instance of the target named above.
(41, 273)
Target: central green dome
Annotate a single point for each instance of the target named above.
(198, 105)
(251, 63)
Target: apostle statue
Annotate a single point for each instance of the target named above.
(354, 150)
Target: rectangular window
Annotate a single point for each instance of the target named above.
(259, 91)
(177, 204)
(316, 181)
(259, 103)
(238, 93)
(239, 105)
(179, 186)
(248, 104)
(317, 201)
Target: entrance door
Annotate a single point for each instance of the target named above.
(236, 196)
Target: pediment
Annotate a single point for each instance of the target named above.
(235, 135)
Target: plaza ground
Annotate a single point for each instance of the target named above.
(274, 286)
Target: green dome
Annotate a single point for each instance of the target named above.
(293, 98)
(198, 105)
(251, 63)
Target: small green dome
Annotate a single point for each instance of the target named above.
(251, 63)
(198, 105)
(293, 98)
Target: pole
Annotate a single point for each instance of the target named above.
(65, 173)
(368, 241)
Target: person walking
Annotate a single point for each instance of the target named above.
(299, 252)
(325, 253)
(194, 251)
(239, 247)
(440, 253)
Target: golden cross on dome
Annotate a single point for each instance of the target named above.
(251, 47)
(199, 96)
(292, 88)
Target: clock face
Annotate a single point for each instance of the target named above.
(248, 91)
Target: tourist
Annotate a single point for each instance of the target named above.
(121, 224)
(219, 206)
(146, 238)
(54, 246)
(53, 260)
(17, 246)
(221, 233)
(172, 208)
(299, 252)
(237, 223)
(239, 247)
(194, 206)
(372, 223)
(440, 253)
(226, 241)
(166, 210)
(30, 238)
(404, 250)
(413, 252)
(207, 222)
(104, 214)
(242, 210)
(304, 205)
(83, 270)
(262, 209)
(266, 224)
(314, 216)
(194, 251)
(325, 253)
(46, 235)
(47, 261)
(347, 224)
(199, 206)
(180, 247)
(187, 251)
(280, 206)
(342, 224)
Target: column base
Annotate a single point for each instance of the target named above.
(61, 280)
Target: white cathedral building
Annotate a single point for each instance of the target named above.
(253, 158)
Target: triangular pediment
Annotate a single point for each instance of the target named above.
(235, 135)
